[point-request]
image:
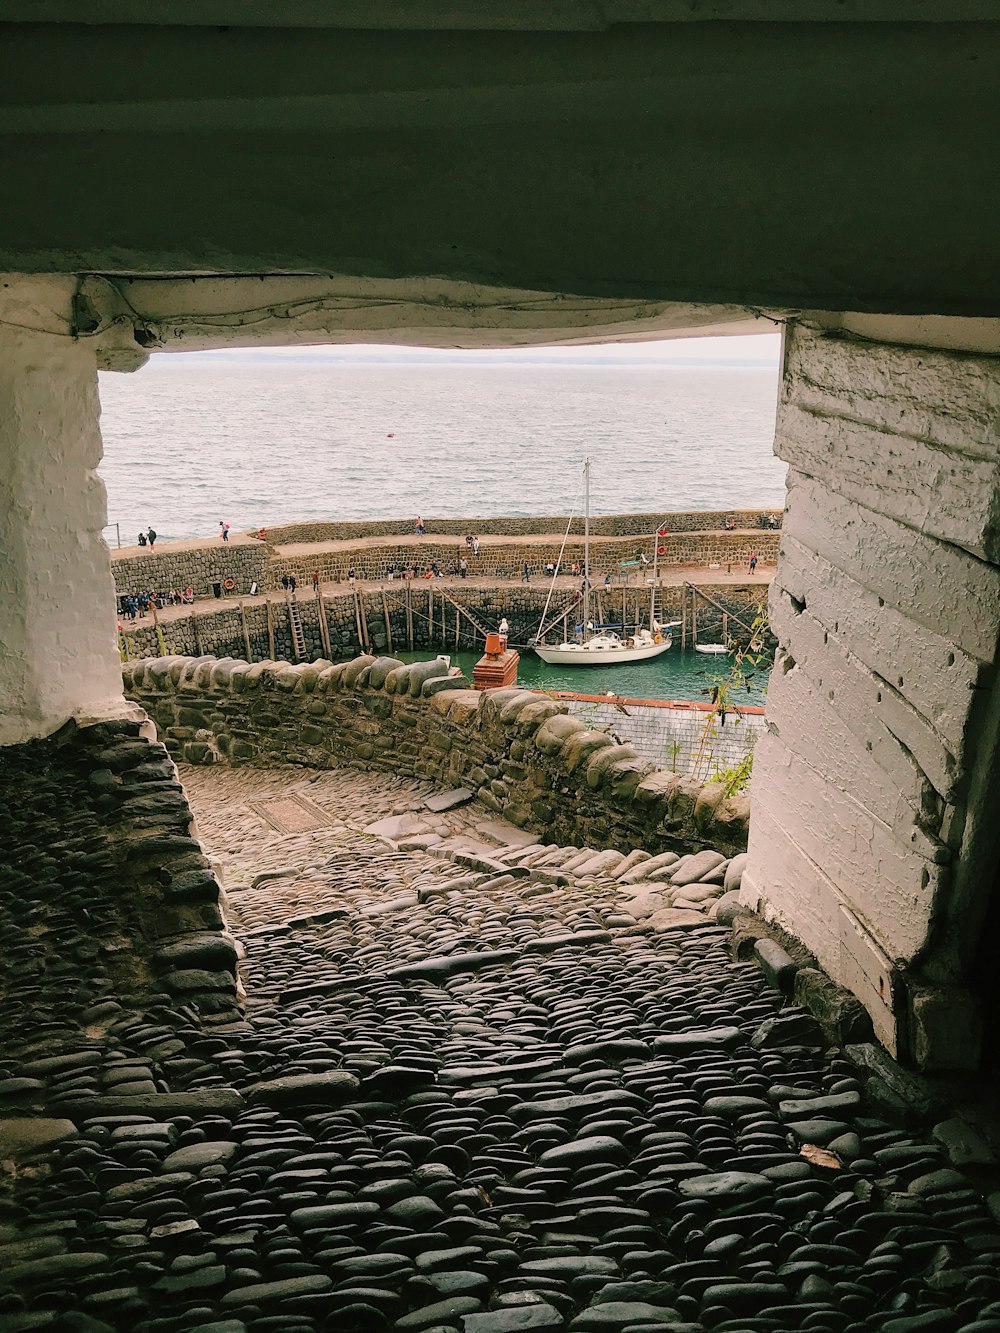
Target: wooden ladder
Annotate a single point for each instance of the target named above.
(295, 625)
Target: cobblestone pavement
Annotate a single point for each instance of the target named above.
(482, 1087)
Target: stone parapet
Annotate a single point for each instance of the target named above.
(601, 525)
(523, 755)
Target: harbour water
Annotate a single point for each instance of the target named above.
(265, 438)
(673, 675)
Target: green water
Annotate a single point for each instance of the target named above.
(673, 675)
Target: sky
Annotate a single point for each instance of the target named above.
(757, 349)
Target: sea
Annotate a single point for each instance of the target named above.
(262, 437)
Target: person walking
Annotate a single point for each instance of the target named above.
(753, 561)
(526, 576)
(223, 530)
(418, 527)
(463, 567)
(151, 538)
(475, 546)
(284, 582)
(315, 577)
(291, 582)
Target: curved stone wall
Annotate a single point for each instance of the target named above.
(379, 617)
(505, 560)
(693, 539)
(601, 525)
(522, 755)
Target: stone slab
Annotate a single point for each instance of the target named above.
(448, 800)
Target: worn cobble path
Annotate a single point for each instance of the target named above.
(484, 1090)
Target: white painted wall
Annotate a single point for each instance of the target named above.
(58, 651)
(869, 837)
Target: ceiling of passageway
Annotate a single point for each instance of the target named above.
(833, 165)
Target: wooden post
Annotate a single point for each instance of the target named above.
(458, 620)
(388, 626)
(270, 630)
(246, 631)
(624, 618)
(197, 635)
(444, 619)
(430, 617)
(694, 619)
(324, 628)
(684, 618)
(725, 628)
(409, 617)
(357, 620)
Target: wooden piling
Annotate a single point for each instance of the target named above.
(409, 617)
(684, 619)
(458, 621)
(725, 628)
(270, 630)
(197, 635)
(246, 631)
(324, 628)
(388, 626)
(430, 618)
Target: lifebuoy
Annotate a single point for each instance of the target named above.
(229, 584)
(661, 550)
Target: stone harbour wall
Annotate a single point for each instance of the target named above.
(416, 614)
(503, 561)
(174, 566)
(522, 755)
(601, 525)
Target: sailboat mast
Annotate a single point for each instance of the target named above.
(586, 547)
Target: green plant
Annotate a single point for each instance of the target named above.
(744, 665)
(674, 749)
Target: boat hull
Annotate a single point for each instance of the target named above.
(578, 655)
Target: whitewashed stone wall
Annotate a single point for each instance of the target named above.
(683, 740)
(58, 657)
(871, 838)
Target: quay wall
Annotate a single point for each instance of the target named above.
(173, 565)
(502, 560)
(415, 614)
(522, 755)
(601, 525)
(178, 565)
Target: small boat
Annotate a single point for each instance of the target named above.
(605, 648)
(718, 648)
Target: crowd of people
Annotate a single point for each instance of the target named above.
(134, 605)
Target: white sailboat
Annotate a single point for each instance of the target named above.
(605, 648)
